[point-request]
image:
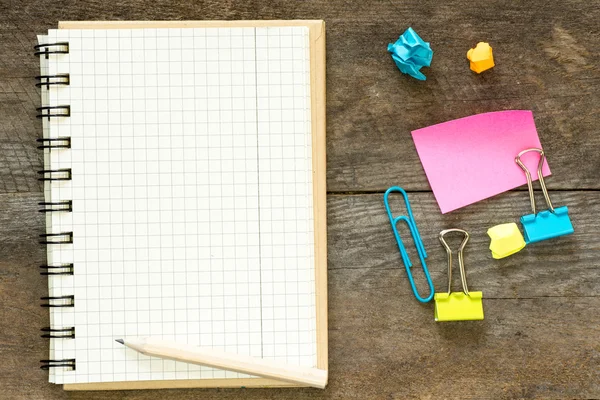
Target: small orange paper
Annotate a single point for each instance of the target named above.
(481, 57)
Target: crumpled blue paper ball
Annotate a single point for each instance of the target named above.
(410, 53)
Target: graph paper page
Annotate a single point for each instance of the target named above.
(192, 197)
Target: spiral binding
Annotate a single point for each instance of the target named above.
(47, 80)
(58, 301)
(54, 143)
(51, 48)
(57, 238)
(59, 269)
(53, 206)
(64, 333)
(63, 174)
(55, 271)
(66, 363)
(53, 111)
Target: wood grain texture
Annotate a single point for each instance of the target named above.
(546, 61)
(362, 248)
(540, 336)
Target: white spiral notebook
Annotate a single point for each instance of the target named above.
(184, 177)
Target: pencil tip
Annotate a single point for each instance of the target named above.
(120, 341)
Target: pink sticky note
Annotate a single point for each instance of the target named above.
(473, 158)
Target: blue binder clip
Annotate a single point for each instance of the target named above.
(547, 224)
(410, 221)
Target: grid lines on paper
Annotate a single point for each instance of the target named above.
(284, 137)
(168, 206)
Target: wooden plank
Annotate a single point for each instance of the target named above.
(21, 287)
(520, 351)
(528, 348)
(367, 148)
(545, 61)
(362, 248)
(539, 338)
(19, 158)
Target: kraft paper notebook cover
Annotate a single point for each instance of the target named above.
(184, 183)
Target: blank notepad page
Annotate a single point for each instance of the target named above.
(192, 197)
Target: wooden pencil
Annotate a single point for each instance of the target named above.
(155, 347)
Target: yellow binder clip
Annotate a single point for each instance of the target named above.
(457, 306)
(506, 239)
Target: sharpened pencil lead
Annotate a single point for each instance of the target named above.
(120, 341)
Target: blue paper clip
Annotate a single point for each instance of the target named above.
(410, 221)
(546, 224)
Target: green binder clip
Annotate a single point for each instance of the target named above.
(457, 306)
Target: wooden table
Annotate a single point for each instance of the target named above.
(541, 335)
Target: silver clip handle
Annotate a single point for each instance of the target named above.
(461, 263)
(540, 177)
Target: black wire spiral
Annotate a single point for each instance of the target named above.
(48, 80)
(58, 301)
(53, 206)
(57, 238)
(53, 111)
(51, 48)
(49, 144)
(54, 143)
(63, 174)
(58, 269)
(64, 363)
(64, 333)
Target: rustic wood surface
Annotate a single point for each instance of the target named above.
(541, 335)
